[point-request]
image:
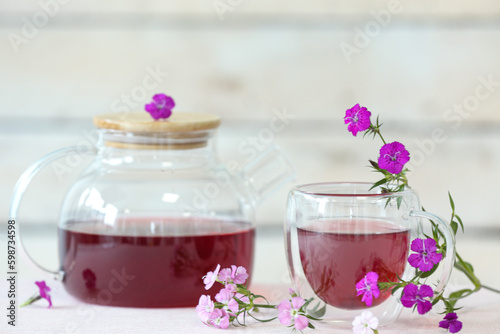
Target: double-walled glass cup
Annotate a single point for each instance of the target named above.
(335, 233)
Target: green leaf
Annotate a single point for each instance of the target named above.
(458, 294)
(460, 221)
(396, 288)
(379, 183)
(468, 266)
(454, 227)
(399, 200)
(451, 202)
(317, 312)
(435, 301)
(430, 272)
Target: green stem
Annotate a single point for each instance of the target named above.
(264, 306)
(463, 268)
(490, 288)
(380, 135)
(30, 301)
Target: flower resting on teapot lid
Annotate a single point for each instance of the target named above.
(161, 106)
(158, 127)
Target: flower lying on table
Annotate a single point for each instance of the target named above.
(234, 302)
(43, 293)
(366, 323)
(428, 253)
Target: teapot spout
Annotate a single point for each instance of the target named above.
(271, 169)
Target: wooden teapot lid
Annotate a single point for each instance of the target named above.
(182, 130)
(143, 122)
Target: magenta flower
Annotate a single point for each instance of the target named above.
(205, 308)
(210, 278)
(368, 288)
(358, 119)
(160, 107)
(219, 318)
(239, 274)
(413, 294)
(44, 291)
(451, 323)
(290, 313)
(426, 254)
(393, 157)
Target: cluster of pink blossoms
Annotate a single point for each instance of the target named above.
(228, 301)
(235, 300)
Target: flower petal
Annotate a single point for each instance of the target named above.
(417, 245)
(301, 322)
(297, 303)
(409, 293)
(425, 291)
(424, 306)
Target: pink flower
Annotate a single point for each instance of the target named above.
(205, 308)
(451, 323)
(413, 294)
(233, 305)
(368, 288)
(44, 291)
(160, 107)
(225, 275)
(224, 296)
(219, 318)
(358, 119)
(239, 274)
(366, 323)
(290, 313)
(231, 287)
(426, 256)
(393, 157)
(210, 278)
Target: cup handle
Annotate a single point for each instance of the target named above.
(449, 260)
(23, 183)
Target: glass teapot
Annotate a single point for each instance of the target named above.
(156, 210)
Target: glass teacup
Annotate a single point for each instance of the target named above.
(335, 233)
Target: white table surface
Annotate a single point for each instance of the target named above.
(481, 313)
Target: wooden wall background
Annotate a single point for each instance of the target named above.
(431, 69)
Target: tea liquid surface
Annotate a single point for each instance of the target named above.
(150, 262)
(336, 254)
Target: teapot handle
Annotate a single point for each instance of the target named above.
(23, 183)
(449, 260)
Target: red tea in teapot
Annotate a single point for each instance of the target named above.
(336, 254)
(150, 262)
